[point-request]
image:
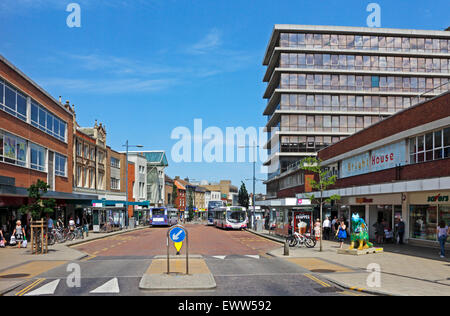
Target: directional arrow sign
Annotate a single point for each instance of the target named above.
(177, 234)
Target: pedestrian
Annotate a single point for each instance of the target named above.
(326, 228)
(18, 233)
(2, 240)
(379, 231)
(333, 225)
(401, 231)
(50, 224)
(85, 224)
(317, 229)
(442, 231)
(59, 223)
(341, 233)
(71, 224)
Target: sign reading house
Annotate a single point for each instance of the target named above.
(382, 158)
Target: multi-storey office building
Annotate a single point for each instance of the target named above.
(326, 83)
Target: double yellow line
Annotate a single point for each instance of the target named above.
(29, 287)
(317, 280)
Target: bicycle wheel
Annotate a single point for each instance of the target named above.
(70, 236)
(310, 243)
(292, 241)
(51, 239)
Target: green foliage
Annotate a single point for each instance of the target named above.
(38, 206)
(174, 195)
(190, 205)
(314, 165)
(243, 198)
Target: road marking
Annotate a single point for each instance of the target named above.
(29, 287)
(89, 258)
(220, 257)
(48, 289)
(355, 288)
(253, 256)
(317, 280)
(112, 286)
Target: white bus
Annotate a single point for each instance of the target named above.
(231, 217)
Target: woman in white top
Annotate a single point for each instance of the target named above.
(442, 231)
(18, 233)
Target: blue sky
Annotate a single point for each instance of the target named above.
(144, 68)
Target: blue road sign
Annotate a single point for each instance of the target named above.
(177, 234)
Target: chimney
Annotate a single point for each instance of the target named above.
(60, 100)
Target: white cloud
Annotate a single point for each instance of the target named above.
(210, 42)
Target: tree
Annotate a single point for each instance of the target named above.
(243, 197)
(190, 204)
(174, 195)
(314, 165)
(38, 206)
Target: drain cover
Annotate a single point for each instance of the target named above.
(13, 276)
(328, 290)
(323, 271)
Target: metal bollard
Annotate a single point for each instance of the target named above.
(286, 248)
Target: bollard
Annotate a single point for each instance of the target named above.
(286, 248)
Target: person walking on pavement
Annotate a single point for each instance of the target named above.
(401, 231)
(85, 224)
(341, 234)
(317, 231)
(333, 225)
(18, 233)
(442, 231)
(326, 228)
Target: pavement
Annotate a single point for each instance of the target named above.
(18, 266)
(401, 270)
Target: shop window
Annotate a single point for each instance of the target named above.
(423, 222)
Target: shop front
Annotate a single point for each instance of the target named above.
(426, 210)
(297, 213)
(386, 208)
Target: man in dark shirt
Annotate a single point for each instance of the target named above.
(401, 230)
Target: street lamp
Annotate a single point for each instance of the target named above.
(254, 178)
(126, 176)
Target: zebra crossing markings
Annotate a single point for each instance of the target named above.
(110, 287)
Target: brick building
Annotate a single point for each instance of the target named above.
(36, 141)
(397, 168)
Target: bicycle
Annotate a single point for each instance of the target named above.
(79, 233)
(299, 239)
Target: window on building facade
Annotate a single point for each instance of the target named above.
(60, 165)
(13, 149)
(47, 122)
(38, 157)
(115, 184)
(431, 146)
(115, 162)
(13, 101)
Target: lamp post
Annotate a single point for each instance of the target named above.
(254, 179)
(126, 177)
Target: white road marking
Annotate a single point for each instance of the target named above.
(253, 256)
(112, 286)
(219, 257)
(48, 289)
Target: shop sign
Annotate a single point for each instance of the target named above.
(382, 158)
(97, 205)
(363, 200)
(303, 202)
(438, 198)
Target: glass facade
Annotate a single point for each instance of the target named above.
(364, 62)
(365, 42)
(355, 80)
(15, 103)
(405, 84)
(345, 103)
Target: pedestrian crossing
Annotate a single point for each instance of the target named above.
(50, 288)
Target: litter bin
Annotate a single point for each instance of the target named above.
(132, 223)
